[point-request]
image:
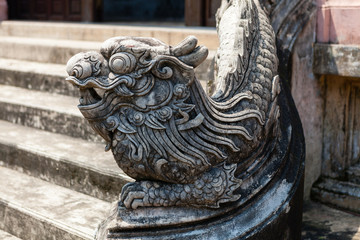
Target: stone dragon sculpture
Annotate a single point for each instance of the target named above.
(181, 146)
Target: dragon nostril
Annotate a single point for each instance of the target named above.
(74, 73)
(77, 71)
(82, 71)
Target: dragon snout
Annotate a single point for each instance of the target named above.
(84, 65)
(79, 67)
(80, 71)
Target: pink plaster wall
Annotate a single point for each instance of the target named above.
(3, 10)
(338, 21)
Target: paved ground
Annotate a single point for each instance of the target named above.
(324, 223)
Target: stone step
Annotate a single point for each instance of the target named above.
(42, 49)
(51, 112)
(38, 76)
(50, 77)
(60, 51)
(353, 173)
(101, 32)
(69, 162)
(31, 208)
(323, 222)
(7, 236)
(340, 194)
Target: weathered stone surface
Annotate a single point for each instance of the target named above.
(335, 59)
(42, 49)
(45, 77)
(308, 93)
(340, 194)
(339, 184)
(338, 21)
(33, 209)
(246, 223)
(353, 173)
(288, 18)
(339, 66)
(242, 147)
(161, 217)
(322, 222)
(53, 158)
(294, 24)
(101, 32)
(341, 147)
(46, 111)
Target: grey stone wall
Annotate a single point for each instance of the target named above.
(307, 91)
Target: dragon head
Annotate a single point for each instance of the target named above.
(133, 81)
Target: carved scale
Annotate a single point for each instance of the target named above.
(198, 156)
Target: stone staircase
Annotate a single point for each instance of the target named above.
(56, 181)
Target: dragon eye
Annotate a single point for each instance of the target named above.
(122, 63)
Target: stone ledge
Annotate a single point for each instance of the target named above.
(323, 222)
(45, 111)
(100, 32)
(61, 160)
(334, 59)
(343, 195)
(34, 209)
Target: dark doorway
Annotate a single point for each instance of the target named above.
(54, 10)
(143, 10)
(201, 12)
(192, 12)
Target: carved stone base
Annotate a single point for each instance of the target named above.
(339, 194)
(256, 222)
